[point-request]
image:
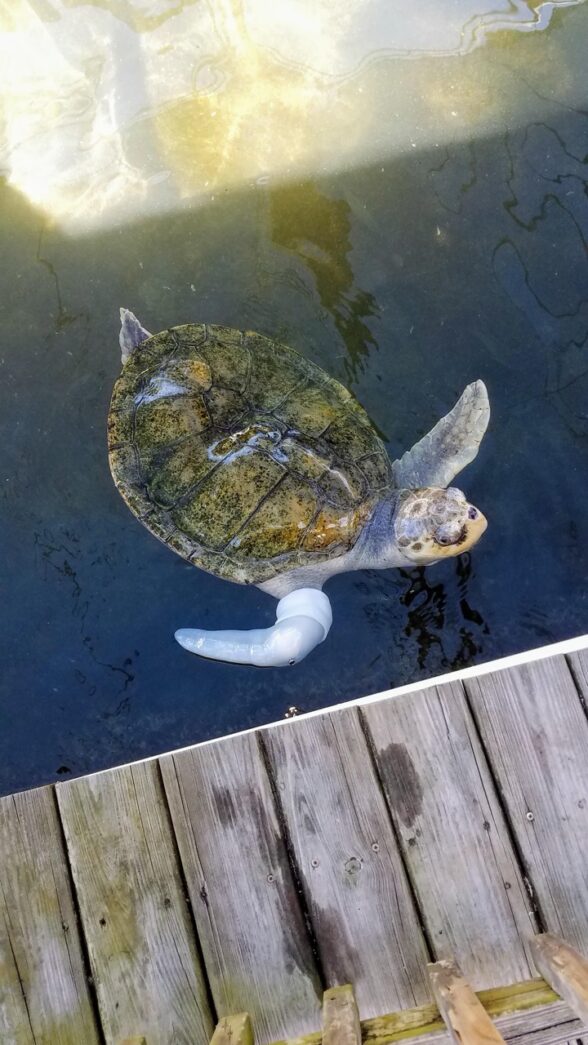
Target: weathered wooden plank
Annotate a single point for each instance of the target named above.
(340, 1017)
(254, 940)
(464, 1015)
(136, 922)
(357, 894)
(565, 969)
(44, 995)
(455, 841)
(233, 1030)
(536, 736)
(15, 1025)
(526, 1013)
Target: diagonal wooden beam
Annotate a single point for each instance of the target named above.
(340, 1017)
(564, 969)
(464, 1015)
(233, 1030)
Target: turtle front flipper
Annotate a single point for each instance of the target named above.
(303, 620)
(449, 446)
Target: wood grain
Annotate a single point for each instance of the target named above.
(465, 1017)
(44, 994)
(135, 918)
(356, 890)
(254, 939)
(455, 841)
(565, 969)
(536, 736)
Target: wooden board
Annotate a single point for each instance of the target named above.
(527, 1013)
(536, 735)
(357, 894)
(578, 664)
(134, 912)
(233, 1030)
(254, 941)
(454, 838)
(44, 994)
(565, 969)
(464, 1015)
(340, 1017)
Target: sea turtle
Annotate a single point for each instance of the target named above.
(251, 462)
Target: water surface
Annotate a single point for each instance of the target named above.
(399, 194)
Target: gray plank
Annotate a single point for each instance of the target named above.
(364, 920)
(254, 940)
(454, 837)
(536, 735)
(134, 913)
(44, 994)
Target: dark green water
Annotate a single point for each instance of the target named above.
(408, 223)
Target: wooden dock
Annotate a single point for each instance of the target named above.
(249, 874)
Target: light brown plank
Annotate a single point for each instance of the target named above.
(44, 995)
(233, 1030)
(545, 1025)
(454, 837)
(527, 1013)
(15, 1025)
(465, 1017)
(254, 941)
(355, 886)
(565, 969)
(536, 736)
(340, 1017)
(133, 908)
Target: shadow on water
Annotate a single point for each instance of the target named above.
(317, 229)
(409, 279)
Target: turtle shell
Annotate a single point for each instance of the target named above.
(240, 454)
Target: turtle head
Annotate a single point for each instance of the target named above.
(431, 524)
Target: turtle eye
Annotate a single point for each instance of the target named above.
(472, 513)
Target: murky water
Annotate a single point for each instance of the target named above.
(398, 192)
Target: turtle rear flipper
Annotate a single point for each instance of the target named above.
(452, 444)
(303, 620)
(132, 334)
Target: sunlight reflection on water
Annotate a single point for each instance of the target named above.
(121, 109)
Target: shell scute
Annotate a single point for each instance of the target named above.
(276, 371)
(172, 474)
(377, 470)
(227, 497)
(163, 421)
(333, 528)
(343, 487)
(225, 406)
(190, 375)
(350, 436)
(279, 524)
(227, 356)
(310, 409)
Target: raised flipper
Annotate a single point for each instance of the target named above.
(131, 334)
(303, 620)
(449, 446)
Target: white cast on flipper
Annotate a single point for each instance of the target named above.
(303, 620)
